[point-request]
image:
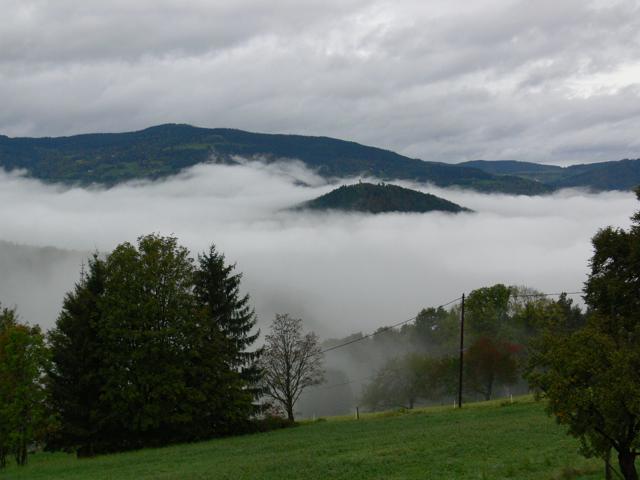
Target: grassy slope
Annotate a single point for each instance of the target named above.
(483, 441)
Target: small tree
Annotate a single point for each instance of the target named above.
(435, 330)
(8, 319)
(291, 362)
(23, 358)
(488, 312)
(489, 362)
(402, 381)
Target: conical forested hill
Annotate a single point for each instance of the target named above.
(380, 198)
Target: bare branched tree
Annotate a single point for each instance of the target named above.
(291, 362)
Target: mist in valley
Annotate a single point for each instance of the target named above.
(341, 273)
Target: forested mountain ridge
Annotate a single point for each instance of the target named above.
(381, 198)
(615, 175)
(163, 150)
(156, 152)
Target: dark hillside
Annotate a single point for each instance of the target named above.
(617, 175)
(110, 158)
(369, 198)
(620, 175)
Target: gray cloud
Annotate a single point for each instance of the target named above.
(341, 273)
(544, 81)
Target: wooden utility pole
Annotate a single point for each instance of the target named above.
(461, 353)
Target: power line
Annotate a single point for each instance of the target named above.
(545, 294)
(383, 329)
(349, 382)
(403, 322)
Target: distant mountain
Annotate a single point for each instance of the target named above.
(156, 152)
(616, 175)
(532, 171)
(381, 198)
(620, 175)
(111, 158)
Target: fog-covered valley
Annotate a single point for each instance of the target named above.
(341, 273)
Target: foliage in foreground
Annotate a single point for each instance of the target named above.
(591, 376)
(151, 348)
(23, 359)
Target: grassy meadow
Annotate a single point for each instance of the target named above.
(491, 440)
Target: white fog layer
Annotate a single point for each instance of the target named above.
(340, 272)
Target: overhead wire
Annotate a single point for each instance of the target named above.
(403, 322)
(382, 329)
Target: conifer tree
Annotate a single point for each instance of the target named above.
(74, 381)
(217, 290)
(149, 350)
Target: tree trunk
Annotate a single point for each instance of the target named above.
(627, 462)
(86, 451)
(608, 471)
(21, 454)
(290, 412)
(489, 391)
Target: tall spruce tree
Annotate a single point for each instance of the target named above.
(217, 290)
(74, 382)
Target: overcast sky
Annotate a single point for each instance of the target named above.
(550, 81)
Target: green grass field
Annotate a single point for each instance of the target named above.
(481, 441)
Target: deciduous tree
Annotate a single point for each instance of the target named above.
(405, 380)
(291, 362)
(591, 376)
(23, 358)
(488, 362)
(148, 314)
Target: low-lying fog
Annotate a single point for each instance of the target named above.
(340, 272)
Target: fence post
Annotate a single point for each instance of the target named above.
(461, 353)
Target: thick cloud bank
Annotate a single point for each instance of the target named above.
(340, 272)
